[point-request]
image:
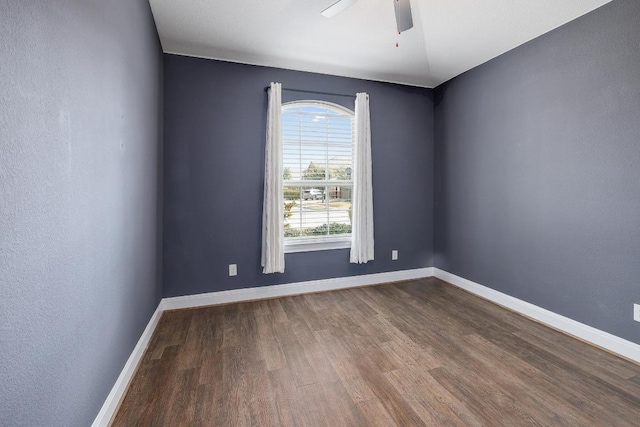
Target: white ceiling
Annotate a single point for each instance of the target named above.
(449, 37)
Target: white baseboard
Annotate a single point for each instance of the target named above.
(262, 292)
(120, 387)
(587, 333)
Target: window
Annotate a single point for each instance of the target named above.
(317, 145)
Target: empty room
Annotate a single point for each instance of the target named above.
(319, 213)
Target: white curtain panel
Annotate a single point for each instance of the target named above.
(362, 224)
(273, 203)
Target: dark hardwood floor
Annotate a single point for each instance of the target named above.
(409, 354)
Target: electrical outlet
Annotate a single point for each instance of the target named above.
(233, 269)
(394, 255)
(636, 312)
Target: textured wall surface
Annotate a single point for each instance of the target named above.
(80, 147)
(538, 171)
(215, 116)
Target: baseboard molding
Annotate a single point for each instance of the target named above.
(605, 340)
(120, 387)
(248, 294)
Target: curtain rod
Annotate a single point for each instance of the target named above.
(313, 91)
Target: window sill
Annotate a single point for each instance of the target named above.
(310, 245)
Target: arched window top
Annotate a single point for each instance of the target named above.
(315, 106)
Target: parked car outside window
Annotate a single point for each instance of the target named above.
(312, 194)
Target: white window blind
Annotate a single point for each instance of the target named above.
(317, 165)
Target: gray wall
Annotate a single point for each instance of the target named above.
(538, 171)
(80, 147)
(214, 162)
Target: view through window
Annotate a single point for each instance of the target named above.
(317, 165)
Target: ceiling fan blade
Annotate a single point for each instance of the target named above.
(337, 7)
(403, 14)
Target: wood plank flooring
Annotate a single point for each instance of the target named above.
(408, 354)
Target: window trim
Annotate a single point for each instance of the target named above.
(322, 243)
(329, 242)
